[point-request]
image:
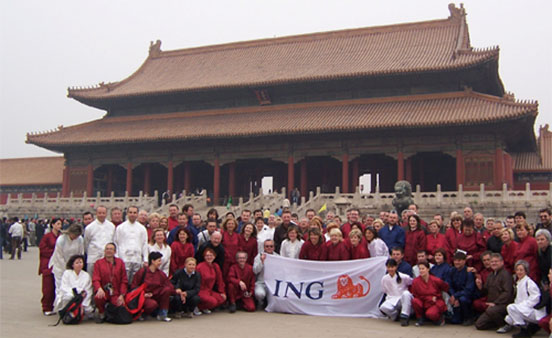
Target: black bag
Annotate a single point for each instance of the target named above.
(117, 314)
(72, 313)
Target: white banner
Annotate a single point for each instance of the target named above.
(342, 288)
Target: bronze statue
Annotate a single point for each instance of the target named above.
(403, 196)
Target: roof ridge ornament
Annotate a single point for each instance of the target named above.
(456, 12)
(155, 49)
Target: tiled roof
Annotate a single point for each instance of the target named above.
(435, 110)
(536, 161)
(31, 171)
(396, 49)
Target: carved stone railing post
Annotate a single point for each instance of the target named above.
(504, 192)
(482, 193)
(528, 192)
(461, 194)
(439, 195)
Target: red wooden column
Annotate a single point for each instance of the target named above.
(129, 179)
(147, 178)
(187, 176)
(65, 184)
(170, 177)
(90, 180)
(345, 173)
(400, 166)
(290, 176)
(409, 169)
(508, 170)
(216, 181)
(232, 179)
(304, 177)
(499, 168)
(109, 180)
(460, 176)
(354, 181)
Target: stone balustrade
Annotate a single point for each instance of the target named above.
(492, 203)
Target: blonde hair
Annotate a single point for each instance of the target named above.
(355, 232)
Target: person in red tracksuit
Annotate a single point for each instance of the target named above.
(509, 249)
(109, 280)
(159, 287)
(241, 284)
(472, 243)
(415, 240)
(46, 249)
(314, 248)
(210, 274)
(248, 242)
(435, 240)
(358, 246)
(452, 233)
(527, 250)
(337, 249)
(181, 249)
(428, 300)
(230, 243)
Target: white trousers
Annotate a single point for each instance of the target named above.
(260, 291)
(392, 307)
(516, 317)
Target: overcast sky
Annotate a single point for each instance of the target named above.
(48, 46)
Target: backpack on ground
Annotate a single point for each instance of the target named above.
(134, 301)
(73, 312)
(117, 314)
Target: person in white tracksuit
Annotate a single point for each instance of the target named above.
(75, 278)
(131, 239)
(96, 235)
(522, 312)
(395, 284)
(67, 245)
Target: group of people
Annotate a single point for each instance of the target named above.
(463, 271)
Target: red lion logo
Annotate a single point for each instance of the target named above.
(346, 288)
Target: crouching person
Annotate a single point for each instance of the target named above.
(109, 280)
(428, 300)
(258, 268)
(187, 283)
(522, 312)
(75, 278)
(211, 275)
(462, 291)
(241, 284)
(158, 287)
(498, 291)
(395, 284)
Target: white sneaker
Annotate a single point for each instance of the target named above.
(505, 329)
(197, 312)
(164, 319)
(206, 311)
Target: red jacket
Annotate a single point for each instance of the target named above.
(249, 246)
(156, 281)
(474, 245)
(527, 250)
(436, 241)
(114, 273)
(508, 252)
(338, 252)
(426, 291)
(246, 275)
(414, 242)
(210, 274)
(360, 251)
(313, 252)
(46, 249)
(451, 235)
(173, 223)
(179, 253)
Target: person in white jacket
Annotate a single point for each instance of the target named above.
(67, 245)
(96, 235)
(131, 239)
(159, 244)
(522, 311)
(258, 269)
(75, 278)
(376, 245)
(292, 245)
(395, 284)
